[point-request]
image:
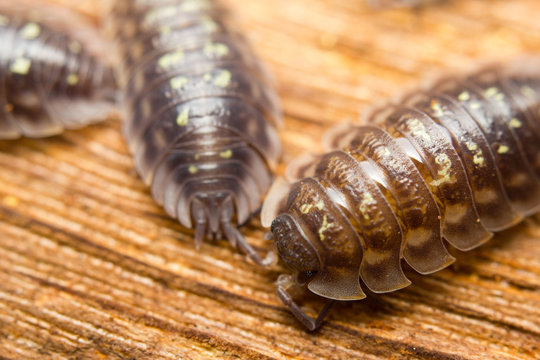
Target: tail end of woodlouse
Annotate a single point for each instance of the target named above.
(214, 216)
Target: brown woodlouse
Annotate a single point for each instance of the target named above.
(200, 114)
(458, 161)
(48, 81)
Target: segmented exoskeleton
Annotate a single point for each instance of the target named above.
(458, 161)
(200, 115)
(48, 81)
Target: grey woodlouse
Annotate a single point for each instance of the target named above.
(48, 81)
(458, 161)
(200, 114)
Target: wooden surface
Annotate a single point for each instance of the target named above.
(91, 268)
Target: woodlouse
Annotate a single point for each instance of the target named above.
(200, 114)
(458, 161)
(48, 81)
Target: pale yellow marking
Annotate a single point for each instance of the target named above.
(491, 91)
(223, 79)
(30, 31)
(75, 47)
(503, 149)
(367, 200)
(527, 91)
(11, 201)
(165, 61)
(478, 159)
(515, 123)
(417, 128)
(325, 226)
(4, 20)
(305, 208)
(207, 77)
(20, 66)
(72, 79)
(464, 96)
(216, 49)
(444, 174)
(165, 30)
(436, 107)
(183, 118)
(197, 156)
(472, 146)
(194, 5)
(475, 105)
(227, 154)
(160, 13)
(178, 82)
(193, 169)
(209, 24)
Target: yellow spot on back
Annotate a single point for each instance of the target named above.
(194, 5)
(167, 60)
(491, 91)
(20, 66)
(197, 156)
(436, 107)
(160, 13)
(4, 20)
(207, 77)
(527, 91)
(178, 82)
(367, 200)
(444, 173)
(472, 146)
(30, 31)
(475, 105)
(325, 226)
(75, 47)
(216, 49)
(193, 169)
(305, 208)
(11, 201)
(464, 96)
(223, 79)
(72, 79)
(165, 30)
(503, 149)
(515, 123)
(209, 24)
(478, 159)
(418, 129)
(227, 154)
(183, 118)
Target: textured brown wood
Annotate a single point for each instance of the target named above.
(91, 268)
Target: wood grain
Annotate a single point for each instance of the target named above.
(92, 268)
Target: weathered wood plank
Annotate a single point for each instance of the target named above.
(90, 267)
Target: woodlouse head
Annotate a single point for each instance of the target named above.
(294, 248)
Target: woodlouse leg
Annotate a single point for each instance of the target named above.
(283, 283)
